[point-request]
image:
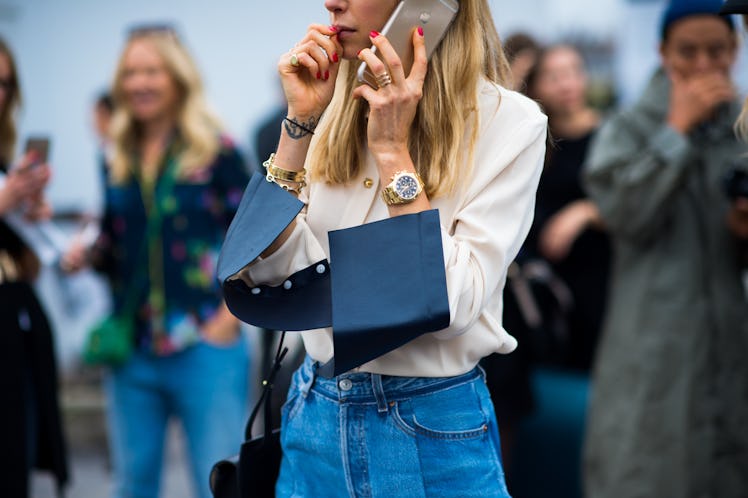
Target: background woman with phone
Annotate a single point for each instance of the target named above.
(30, 426)
(440, 135)
(169, 163)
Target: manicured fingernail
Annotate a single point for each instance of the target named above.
(319, 75)
(327, 75)
(420, 31)
(358, 53)
(335, 57)
(334, 29)
(373, 34)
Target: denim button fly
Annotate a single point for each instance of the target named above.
(345, 384)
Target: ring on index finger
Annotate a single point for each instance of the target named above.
(383, 79)
(294, 59)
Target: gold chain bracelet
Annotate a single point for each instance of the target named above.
(283, 174)
(277, 175)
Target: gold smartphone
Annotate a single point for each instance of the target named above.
(434, 16)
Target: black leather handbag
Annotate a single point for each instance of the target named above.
(253, 472)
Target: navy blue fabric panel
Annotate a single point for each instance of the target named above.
(385, 285)
(265, 211)
(302, 302)
(388, 286)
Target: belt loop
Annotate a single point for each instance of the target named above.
(376, 386)
(307, 386)
(482, 373)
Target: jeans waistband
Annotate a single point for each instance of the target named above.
(368, 388)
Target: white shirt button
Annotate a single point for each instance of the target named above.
(345, 384)
(320, 268)
(255, 290)
(287, 284)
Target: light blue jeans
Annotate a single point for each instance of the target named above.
(365, 435)
(205, 387)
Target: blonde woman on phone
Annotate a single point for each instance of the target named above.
(440, 154)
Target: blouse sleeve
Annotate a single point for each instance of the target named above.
(633, 176)
(491, 225)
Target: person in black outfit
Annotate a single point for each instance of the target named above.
(30, 426)
(567, 231)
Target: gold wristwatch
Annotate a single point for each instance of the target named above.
(403, 189)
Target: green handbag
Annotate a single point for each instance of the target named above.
(110, 342)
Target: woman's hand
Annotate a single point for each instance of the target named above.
(392, 107)
(24, 185)
(222, 328)
(76, 258)
(308, 72)
(38, 209)
(561, 231)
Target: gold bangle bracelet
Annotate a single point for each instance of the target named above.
(283, 174)
(289, 188)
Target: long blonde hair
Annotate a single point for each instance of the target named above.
(741, 125)
(8, 132)
(470, 50)
(197, 127)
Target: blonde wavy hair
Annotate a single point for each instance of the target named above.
(741, 125)
(471, 50)
(197, 127)
(8, 132)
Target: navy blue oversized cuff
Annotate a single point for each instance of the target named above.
(384, 286)
(264, 212)
(388, 286)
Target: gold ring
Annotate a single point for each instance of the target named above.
(384, 79)
(295, 60)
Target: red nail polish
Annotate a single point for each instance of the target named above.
(319, 75)
(327, 75)
(335, 57)
(420, 30)
(334, 29)
(373, 34)
(358, 53)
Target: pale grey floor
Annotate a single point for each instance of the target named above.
(91, 477)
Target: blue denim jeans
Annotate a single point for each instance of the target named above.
(205, 387)
(366, 435)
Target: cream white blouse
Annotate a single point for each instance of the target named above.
(483, 226)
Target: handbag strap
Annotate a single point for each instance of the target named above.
(267, 391)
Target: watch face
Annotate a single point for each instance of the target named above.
(406, 187)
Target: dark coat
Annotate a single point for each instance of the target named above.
(670, 400)
(27, 371)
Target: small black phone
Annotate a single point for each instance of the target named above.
(40, 145)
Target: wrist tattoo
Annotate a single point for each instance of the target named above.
(298, 130)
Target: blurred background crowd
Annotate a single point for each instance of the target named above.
(582, 60)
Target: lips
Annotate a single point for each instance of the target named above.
(344, 31)
(143, 98)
